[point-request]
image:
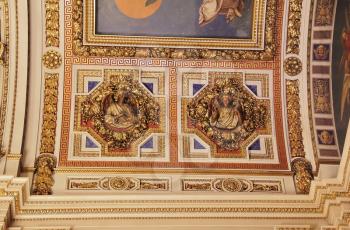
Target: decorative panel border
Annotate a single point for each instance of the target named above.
(320, 82)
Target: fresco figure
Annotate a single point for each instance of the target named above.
(228, 19)
(210, 9)
(345, 62)
(340, 56)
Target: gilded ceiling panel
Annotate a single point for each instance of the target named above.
(199, 94)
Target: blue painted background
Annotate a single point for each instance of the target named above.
(175, 18)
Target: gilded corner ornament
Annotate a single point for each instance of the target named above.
(52, 59)
(43, 175)
(293, 66)
(294, 119)
(303, 175)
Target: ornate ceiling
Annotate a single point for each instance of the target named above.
(218, 111)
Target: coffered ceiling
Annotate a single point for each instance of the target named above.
(186, 104)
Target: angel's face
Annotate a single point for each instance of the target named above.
(226, 100)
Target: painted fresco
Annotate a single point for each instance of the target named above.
(179, 18)
(341, 70)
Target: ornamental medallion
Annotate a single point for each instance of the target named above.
(227, 113)
(119, 112)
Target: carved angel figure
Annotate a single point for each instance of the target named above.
(210, 9)
(224, 113)
(120, 110)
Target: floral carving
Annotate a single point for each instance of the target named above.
(52, 23)
(48, 132)
(43, 177)
(118, 184)
(302, 175)
(294, 119)
(120, 111)
(294, 26)
(227, 113)
(52, 59)
(293, 66)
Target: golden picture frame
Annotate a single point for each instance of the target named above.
(255, 42)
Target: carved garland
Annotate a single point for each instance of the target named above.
(50, 114)
(46, 161)
(52, 17)
(82, 50)
(294, 119)
(294, 26)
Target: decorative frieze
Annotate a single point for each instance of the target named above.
(231, 185)
(119, 184)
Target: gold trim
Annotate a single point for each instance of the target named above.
(52, 18)
(48, 130)
(256, 42)
(5, 78)
(63, 170)
(80, 49)
(294, 119)
(13, 156)
(294, 26)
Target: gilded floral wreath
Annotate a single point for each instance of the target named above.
(227, 114)
(121, 112)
